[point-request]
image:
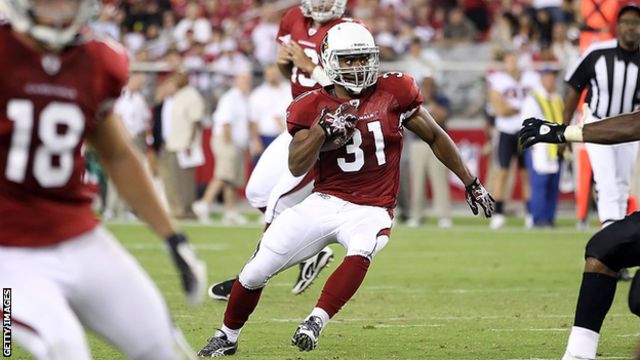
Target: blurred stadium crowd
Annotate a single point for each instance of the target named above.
(191, 54)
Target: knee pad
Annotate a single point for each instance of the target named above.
(253, 276)
(256, 197)
(634, 294)
(366, 248)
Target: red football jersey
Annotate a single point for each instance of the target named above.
(295, 27)
(366, 171)
(48, 102)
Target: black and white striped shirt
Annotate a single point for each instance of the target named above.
(612, 76)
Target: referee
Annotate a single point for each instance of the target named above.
(609, 70)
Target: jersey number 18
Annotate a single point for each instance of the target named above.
(55, 145)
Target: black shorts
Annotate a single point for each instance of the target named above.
(617, 245)
(508, 149)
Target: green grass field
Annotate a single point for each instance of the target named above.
(463, 293)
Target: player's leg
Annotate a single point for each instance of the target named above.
(603, 165)
(417, 173)
(364, 231)
(525, 191)
(267, 172)
(298, 233)
(553, 190)
(609, 250)
(505, 154)
(288, 192)
(113, 292)
(537, 204)
(625, 158)
(438, 177)
(42, 320)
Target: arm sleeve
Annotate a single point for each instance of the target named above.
(116, 74)
(408, 94)
(284, 30)
(300, 114)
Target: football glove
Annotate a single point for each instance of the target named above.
(476, 195)
(193, 271)
(339, 125)
(535, 130)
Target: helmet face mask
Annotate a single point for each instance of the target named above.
(350, 57)
(52, 23)
(323, 10)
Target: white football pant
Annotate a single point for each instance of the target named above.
(612, 170)
(303, 230)
(271, 184)
(89, 280)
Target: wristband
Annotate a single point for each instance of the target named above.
(573, 133)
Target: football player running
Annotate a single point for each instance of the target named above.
(351, 133)
(612, 248)
(272, 188)
(66, 270)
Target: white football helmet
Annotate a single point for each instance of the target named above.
(346, 42)
(323, 10)
(53, 23)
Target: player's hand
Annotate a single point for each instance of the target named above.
(535, 130)
(476, 195)
(339, 125)
(193, 271)
(299, 58)
(283, 57)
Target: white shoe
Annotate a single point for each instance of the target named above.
(413, 223)
(201, 209)
(310, 268)
(445, 223)
(568, 356)
(528, 221)
(233, 218)
(497, 221)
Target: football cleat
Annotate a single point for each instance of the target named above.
(310, 268)
(221, 290)
(218, 345)
(307, 334)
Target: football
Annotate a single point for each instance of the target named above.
(332, 144)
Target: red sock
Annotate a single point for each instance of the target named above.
(343, 283)
(241, 304)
